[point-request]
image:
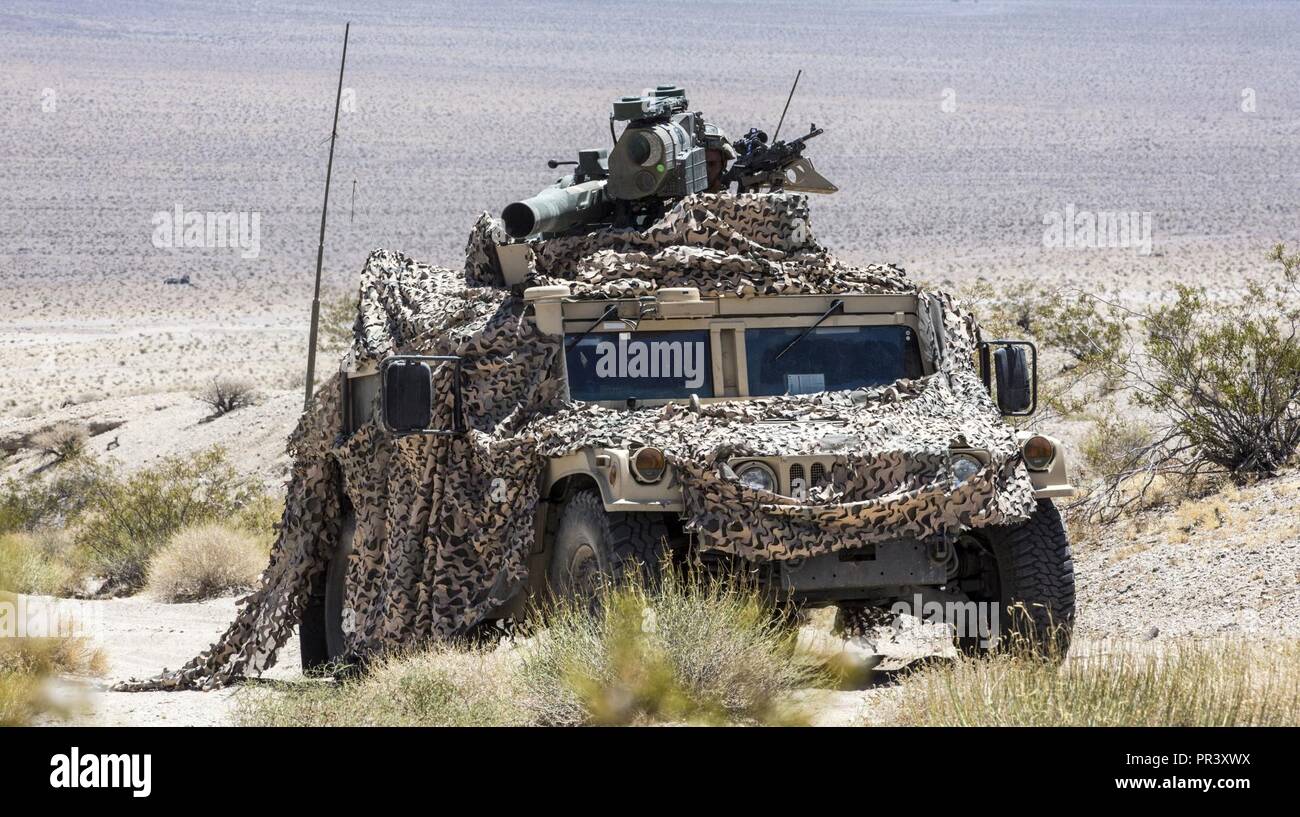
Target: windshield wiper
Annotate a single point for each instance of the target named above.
(838, 303)
(592, 328)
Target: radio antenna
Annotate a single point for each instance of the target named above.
(320, 248)
(787, 105)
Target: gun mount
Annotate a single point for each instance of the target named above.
(662, 155)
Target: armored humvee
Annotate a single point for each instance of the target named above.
(604, 508)
(870, 467)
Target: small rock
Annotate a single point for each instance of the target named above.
(1152, 633)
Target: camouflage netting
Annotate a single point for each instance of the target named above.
(444, 524)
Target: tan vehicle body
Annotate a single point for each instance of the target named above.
(608, 470)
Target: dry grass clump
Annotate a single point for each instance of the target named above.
(693, 649)
(1219, 683)
(206, 561)
(27, 669)
(64, 441)
(436, 687)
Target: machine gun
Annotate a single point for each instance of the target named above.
(779, 166)
(659, 157)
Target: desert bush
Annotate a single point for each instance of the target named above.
(693, 649)
(1228, 379)
(27, 664)
(62, 441)
(260, 516)
(205, 561)
(41, 563)
(1222, 382)
(226, 394)
(1088, 332)
(126, 520)
(1232, 683)
(438, 687)
(1110, 441)
(41, 503)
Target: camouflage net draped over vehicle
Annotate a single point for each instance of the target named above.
(444, 525)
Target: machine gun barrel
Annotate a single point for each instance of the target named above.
(556, 209)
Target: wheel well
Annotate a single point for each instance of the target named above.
(566, 487)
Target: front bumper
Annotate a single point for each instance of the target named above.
(851, 574)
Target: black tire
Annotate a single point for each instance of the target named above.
(593, 547)
(311, 631)
(320, 633)
(1036, 577)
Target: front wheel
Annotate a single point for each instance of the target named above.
(593, 547)
(1035, 580)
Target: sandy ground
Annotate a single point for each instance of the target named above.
(141, 637)
(953, 131)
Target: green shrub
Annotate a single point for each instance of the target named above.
(43, 503)
(1227, 378)
(337, 319)
(125, 521)
(41, 563)
(691, 650)
(205, 561)
(260, 516)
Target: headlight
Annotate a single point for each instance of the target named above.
(648, 464)
(757, 476)
(964, 466)
(1038, 452)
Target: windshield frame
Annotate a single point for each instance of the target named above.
(727, 336)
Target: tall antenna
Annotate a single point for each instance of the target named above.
(787, 105)
(320, 248)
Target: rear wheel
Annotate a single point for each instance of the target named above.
(593, 547)
(321, 632)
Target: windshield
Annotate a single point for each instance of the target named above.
(649, 365)
(830, 358)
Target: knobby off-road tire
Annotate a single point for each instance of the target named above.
(320, 633)
(594, 548)
(1036, 576)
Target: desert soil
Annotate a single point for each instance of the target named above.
(953, 131)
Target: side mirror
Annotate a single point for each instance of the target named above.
(1011, 365)
(406, 389)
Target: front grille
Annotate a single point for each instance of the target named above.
(818, 475)
(814, 476)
